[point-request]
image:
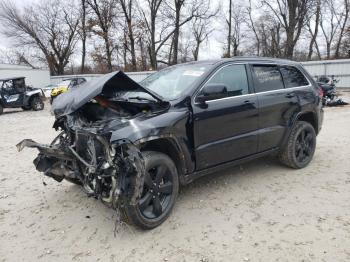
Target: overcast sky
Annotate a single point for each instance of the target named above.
(211, 49)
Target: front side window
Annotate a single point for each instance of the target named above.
(293, 77)
(267, 78)
(234, 77)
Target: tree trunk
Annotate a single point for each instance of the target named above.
(178, 5)
(229, 30)
(143, 57)
(108, 54)
(152, 53)
(196, 51)
(235, 49)
(132, 47)
(83, 36)
(328, 48)
(346, 9)
(314, 35)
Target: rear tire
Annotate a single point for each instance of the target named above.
(37, 103)
(301, 145)
(159, 194)
(1, 109)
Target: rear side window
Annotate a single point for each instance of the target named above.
(293, 77)
(267, 78)
(234, 77)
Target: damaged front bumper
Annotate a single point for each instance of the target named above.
(112, 172)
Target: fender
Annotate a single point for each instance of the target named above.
(292, 123)
(34, 92)
(179, 150)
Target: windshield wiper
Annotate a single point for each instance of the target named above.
(142, 99)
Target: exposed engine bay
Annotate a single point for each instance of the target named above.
(83, 152)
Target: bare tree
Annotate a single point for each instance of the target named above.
(229, 33)
(329, 23)
(128, 11)
(252, 27)
(201, 30)
(291, 14)
(51, 27)
(237, 33)
(343, 21)
(150, 22)
(184, 12)
(314, 32)
(83, 35)
(268, 31)
(102, 24)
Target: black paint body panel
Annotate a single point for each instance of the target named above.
(229, 130)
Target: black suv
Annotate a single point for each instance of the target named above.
(131, 144)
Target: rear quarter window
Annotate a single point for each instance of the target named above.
(293, 77)
(267, 78)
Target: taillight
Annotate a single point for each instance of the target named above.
(320, 92)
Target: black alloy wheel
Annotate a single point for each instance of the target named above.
(300, 147)
(161, 186)
(304, 146)
(158, 187)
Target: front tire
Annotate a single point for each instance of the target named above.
(1, 109)
(37, 103)
(300, 147)
(159, 194)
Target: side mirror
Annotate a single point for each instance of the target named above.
(211, 92)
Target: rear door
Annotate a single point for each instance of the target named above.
(275, 104)
(225, 129)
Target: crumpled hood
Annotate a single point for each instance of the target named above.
(105, 85)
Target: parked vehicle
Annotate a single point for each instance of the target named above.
(131, 145)
(330, 97)
(63, 86)
(14, 93)
(48, 89)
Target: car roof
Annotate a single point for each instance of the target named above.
(12, 78)
(251, 59)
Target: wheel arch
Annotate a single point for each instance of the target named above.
(307, 116)
(29, 98)
(168, 146)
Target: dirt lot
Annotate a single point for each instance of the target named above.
(260, 211)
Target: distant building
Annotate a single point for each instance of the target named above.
(339, 68)
(34, 77)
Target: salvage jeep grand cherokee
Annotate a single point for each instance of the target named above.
(131, 145)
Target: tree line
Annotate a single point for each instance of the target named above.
(99, 36)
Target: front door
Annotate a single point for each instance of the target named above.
(226, 129)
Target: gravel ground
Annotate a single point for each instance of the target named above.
(260, 211)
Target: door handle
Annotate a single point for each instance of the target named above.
(248, 102)
(290, 95)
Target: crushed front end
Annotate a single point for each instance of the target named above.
(112, 172)
(84, 153)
